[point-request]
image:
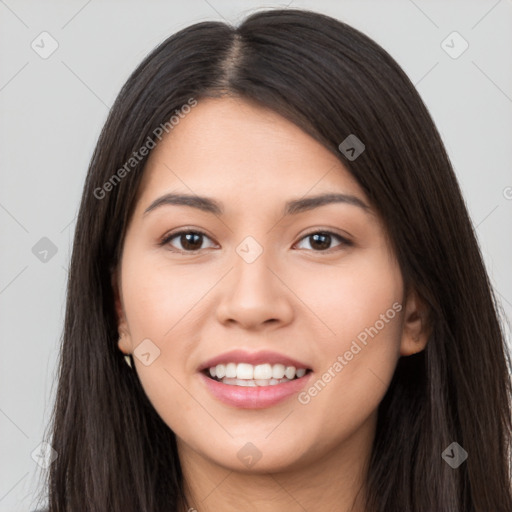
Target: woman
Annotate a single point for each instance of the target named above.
(272, 234)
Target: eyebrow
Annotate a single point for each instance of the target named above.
(295, 206)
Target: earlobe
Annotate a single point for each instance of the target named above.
(123, 344)
(416, 330)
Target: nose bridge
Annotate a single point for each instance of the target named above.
(252, 266)
(252, 277)
(253, 294)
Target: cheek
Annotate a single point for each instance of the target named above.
(343, 397)
(351, 297)
(160, 295)
(162, 301)
(361, 313)
(156, 306)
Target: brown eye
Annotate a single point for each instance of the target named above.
(188, 241)
(320, 241)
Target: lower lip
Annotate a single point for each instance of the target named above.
(256, 397)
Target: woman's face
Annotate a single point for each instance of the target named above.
(283, 283)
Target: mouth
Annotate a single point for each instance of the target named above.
(248, 375)
(254, 386)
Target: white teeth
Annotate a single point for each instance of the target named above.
(244, 383)
(278, 371)
(220, 371)
(261, 372)
(244, 371)
(231, 370)
(253, 383)
(289, 373)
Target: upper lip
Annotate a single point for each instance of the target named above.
(254, 358)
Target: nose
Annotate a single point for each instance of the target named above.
(254, 296)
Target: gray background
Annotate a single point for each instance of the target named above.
(52, 111)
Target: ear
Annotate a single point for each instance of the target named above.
(124, 342)
(416, 330)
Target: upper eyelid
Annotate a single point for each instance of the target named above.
(328, 231)
(170, 236)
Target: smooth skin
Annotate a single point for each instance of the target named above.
(304, 298)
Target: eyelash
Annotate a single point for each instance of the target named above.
(167, 238)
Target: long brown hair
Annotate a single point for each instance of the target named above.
(114, 451)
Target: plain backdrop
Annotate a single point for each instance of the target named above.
(53, 108)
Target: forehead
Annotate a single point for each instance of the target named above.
(230, 147)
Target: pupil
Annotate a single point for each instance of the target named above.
(188, 244)
(325, 236)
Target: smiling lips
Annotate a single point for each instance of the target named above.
(252, 358)
(253, 381)
(245, 374)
